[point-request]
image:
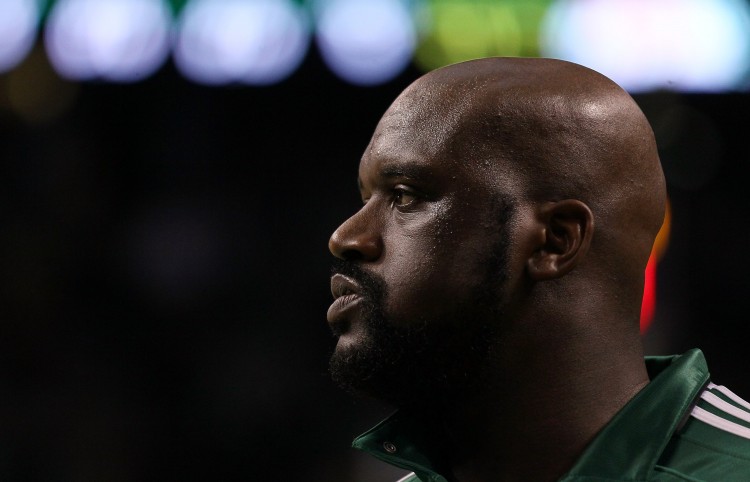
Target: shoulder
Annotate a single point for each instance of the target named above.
(714, 441)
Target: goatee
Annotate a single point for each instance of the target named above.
(409, 363)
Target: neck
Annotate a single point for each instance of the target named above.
(533, 422)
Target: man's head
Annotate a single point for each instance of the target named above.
(505, 198)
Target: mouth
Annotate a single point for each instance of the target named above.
(346, 296)
(343, 286)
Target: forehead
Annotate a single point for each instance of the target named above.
(403, 153)
(434, 134)
(414, 134)
(425, 115)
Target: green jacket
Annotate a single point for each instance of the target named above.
(679, 427)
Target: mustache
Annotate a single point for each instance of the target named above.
(372, 285)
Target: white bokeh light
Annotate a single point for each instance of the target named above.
(18, 28)
(644, 45)
(257, 42)
(117, 40)
(365, 42)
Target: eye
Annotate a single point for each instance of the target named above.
(402, 197)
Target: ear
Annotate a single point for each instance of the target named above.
(567, 228)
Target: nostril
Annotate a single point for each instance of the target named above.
(352, 255)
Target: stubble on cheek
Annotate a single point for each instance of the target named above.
(429, 334)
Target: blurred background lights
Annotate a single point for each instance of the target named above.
(365, 42)
(18, 23)
(252, 41)
(117, 40)
(645, 45)
(458, 30)
(35, 92)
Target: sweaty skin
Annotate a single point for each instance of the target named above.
(573, 157)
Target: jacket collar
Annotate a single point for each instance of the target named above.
(630, 445)
(627, 448)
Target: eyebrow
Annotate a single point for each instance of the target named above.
(411, 171)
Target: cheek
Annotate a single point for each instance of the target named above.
(431, 275)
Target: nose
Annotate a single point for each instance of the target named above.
(357, 239)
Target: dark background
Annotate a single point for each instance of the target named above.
(165, 270)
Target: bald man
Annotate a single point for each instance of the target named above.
(490, 288)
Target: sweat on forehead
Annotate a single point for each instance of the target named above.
(549, 129)
(529, 110)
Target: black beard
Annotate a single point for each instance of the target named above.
(427, 363)
(414, 363)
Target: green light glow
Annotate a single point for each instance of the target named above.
(457, 30)
(44, 8)
(177, 5)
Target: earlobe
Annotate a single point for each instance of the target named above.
(567, 228)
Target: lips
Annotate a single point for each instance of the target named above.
(347, 294)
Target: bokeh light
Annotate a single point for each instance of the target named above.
(648, 305)
(645, 45)
(18, 27)
(35, 93)
(365, 42)
(116, 40)
(457, 30)
(257, 42)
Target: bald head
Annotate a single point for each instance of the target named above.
(493, 276)
(510, 207)
(545, 130)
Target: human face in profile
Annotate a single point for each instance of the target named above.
(418, 288)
